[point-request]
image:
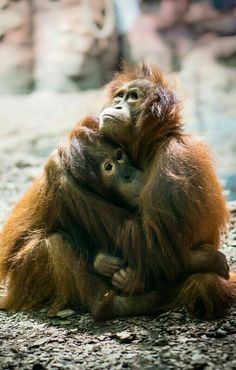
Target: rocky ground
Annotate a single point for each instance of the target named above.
(73, 341)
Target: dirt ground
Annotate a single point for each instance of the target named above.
(172, 340)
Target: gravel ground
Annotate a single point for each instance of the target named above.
(73, 341)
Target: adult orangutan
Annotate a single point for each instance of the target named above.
(182, 207)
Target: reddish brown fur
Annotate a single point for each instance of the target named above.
(39, 263)
(182, 212)
(182, 205)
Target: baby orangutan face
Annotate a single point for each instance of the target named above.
(101, 166)
(118, 176)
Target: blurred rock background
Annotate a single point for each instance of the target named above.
(54, 50)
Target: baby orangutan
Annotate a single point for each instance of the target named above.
(68, 215)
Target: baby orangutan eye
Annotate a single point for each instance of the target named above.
(120, 156)
(109, 168)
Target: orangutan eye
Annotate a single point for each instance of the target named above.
(119, 94)
(133, 95)
(109, 168)
(120, 156)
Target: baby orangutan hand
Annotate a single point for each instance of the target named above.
(107, 265)
(122, 279)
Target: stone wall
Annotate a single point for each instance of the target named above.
(54, 45)
(16, 47)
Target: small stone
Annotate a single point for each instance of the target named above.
(230, 365)
(65, 322)
(22, 164)
(65, 313)
(183, 339)
(221, 333)
(39, 343)
(162, 342)
(199, 358)
(124, 336)
(176, 315)
(228, 327)
(58, 365)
